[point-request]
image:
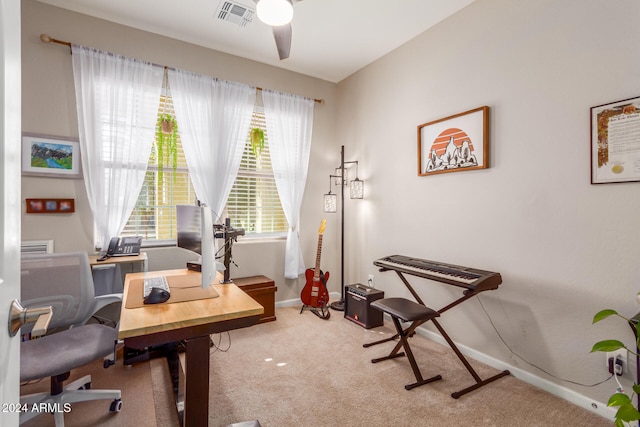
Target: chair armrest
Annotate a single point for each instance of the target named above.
(104, 300)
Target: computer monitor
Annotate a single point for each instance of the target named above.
(195, 233)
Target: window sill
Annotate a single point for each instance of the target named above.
(247, 239)
(262, 237)
(146, 244)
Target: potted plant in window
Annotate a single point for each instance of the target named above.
(626, 411)
(166, 143)
(256, 136)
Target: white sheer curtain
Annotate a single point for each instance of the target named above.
(117, 100)
(214, 118)
(289, 120)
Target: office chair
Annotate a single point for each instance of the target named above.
(64, 282)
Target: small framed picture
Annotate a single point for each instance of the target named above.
(50, 205)
(66, 205)
(50, 156)
(35, 205)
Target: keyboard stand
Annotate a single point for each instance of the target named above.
(469, 293)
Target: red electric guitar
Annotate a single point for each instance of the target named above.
(315, 294)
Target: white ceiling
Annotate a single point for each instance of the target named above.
(332, 39)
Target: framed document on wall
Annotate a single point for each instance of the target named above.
(615, 142)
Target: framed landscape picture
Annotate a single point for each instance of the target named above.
(455, 143)
(50, 156)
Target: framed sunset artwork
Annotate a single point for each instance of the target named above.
(455, 143)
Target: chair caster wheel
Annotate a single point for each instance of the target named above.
(108, 363)
(86, 386)
(116, 406)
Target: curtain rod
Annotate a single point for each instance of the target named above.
(45, 38)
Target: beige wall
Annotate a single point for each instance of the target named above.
(565, 248)
(48, 104)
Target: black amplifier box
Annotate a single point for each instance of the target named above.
(358, 297)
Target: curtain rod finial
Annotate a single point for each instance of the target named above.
(46, 38)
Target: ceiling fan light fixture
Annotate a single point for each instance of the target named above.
(275, 12)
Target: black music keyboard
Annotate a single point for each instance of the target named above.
(465, 277)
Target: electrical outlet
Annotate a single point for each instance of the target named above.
(370, 281)
(620, 354)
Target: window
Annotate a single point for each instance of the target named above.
(153, 217)
(253, 203)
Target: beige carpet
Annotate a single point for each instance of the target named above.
(137, 397)
(304, 371)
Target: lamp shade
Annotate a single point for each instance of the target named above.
(330, 202)
(274, 12)
(357, 189)
(339, 180)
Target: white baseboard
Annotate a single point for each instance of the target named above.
(578, 399)
(288, 303)
(294, 302)
(572, 396)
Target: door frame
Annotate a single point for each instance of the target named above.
(10, 204)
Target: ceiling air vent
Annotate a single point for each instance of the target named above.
(234, 12)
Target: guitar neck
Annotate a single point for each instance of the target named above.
(316, 273)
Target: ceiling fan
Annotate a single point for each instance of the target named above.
(278, 14)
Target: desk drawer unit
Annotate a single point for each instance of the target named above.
(263, 290)
(358, 297)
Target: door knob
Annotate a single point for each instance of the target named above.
(19, 316)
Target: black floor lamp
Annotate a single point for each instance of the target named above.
(330, 206)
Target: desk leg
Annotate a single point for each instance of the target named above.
(196, 401)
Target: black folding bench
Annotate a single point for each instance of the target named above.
(407, 311)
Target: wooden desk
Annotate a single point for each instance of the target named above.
(141, 259)
(191, 322)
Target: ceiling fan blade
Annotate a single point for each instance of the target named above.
(282, 35)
